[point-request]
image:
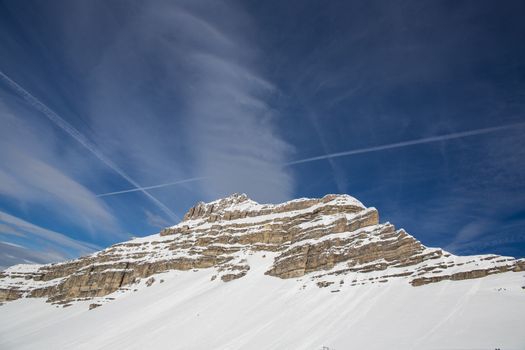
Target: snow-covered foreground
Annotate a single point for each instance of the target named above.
(188, 311)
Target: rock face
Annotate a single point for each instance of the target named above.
(312, 238)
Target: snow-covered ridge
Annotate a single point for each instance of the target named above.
(310, 239)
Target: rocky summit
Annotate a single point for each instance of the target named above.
(324, 240)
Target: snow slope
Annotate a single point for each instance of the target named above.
(188, 311)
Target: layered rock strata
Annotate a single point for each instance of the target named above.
(319, 239)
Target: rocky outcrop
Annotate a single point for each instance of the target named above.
(316, 238)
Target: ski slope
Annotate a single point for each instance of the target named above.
(189, 311)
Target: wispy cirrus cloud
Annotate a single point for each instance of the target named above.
(36, 244)
(24, 228)
(30, 175)
(80, 138)
(27, 179)
(12, 254)
(156, 220)
(236, 142)
(179, 93)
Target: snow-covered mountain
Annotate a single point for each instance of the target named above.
(235, 274)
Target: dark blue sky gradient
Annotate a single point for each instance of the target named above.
(233, 91)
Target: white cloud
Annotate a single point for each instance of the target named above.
(156, 220)
(33, 172)
(31, 180)
(46, 245)
(231, 126)
(12, 254)
(178, 93)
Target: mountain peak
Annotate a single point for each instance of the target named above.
(240, 205)
(309, 239)
(233, 198)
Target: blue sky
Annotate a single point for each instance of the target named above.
(425, 100)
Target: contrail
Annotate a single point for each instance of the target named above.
(150, 187)
(74, 133)
(456, 135)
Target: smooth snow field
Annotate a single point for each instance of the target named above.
(188, 311)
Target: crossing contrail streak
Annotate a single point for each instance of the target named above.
(150, 187)
(431, 139)
(80, 138)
